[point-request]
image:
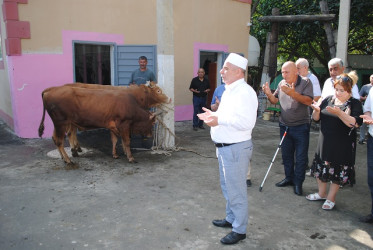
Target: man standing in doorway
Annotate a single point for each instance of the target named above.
(231, 128)
(200, 86)
(142, 74)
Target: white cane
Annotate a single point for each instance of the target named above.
(273, 159)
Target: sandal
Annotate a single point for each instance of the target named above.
(314, 197)
(328, 205)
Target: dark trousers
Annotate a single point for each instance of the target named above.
(370, 166)
(198, 103)
(294, 151)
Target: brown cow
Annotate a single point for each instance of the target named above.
(147, 96)
(71, 107)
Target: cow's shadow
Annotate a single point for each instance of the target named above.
(99, 139)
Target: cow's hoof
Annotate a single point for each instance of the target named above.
(74, 153)
(115, 156)
(79, 149)
(132, 161)
(71, 165)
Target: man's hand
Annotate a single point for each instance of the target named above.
(194, 90)
(209, 117)
(215, 106)
(266, 89)
(367, 119)
(287, 89)
(315, 106)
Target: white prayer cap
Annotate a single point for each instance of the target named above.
(237, 60)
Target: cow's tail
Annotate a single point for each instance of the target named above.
(41, 126)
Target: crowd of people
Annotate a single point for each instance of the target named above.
(338, 107)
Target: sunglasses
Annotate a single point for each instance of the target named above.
(344, 78)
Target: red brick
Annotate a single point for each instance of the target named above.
(10, 11)
(18, 29)
(13, 46)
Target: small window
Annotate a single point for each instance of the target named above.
(92, 63)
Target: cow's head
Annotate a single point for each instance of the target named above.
(144, 127)
(154, 94)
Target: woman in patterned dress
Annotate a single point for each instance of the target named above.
(334, 160)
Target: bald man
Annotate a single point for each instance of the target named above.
(295, 95)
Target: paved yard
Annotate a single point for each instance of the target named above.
(164, 202)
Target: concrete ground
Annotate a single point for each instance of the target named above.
(165, 202)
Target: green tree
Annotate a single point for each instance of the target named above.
(308, 39)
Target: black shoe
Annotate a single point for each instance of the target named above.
(221, 223)
(298, 190)
(248, 183)
(195, 128)
(366, 219)
(285, 182)
(361, 142)
(201, 127)
(232, 238)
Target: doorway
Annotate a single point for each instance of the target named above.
(211, 62)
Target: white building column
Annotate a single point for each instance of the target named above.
(166, 70)
(343, 29)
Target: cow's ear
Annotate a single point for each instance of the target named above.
(147, 83)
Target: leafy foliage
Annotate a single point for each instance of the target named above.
(308, 39)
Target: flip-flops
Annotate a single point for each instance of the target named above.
(314, 197)
(328, 205)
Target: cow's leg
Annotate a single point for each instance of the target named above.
(71, 135)
(73, 140)
(58, 138)
(76, 142)
(125, 135)
(114, 140)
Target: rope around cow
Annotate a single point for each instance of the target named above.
(163, 129)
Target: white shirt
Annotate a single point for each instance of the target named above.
(315, 84)
(236, 114)
(368, 108)
(328, 89)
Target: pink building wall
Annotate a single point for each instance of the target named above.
(185, 112)
(32, 73)
(35, 72)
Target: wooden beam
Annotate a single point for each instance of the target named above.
(294, 18)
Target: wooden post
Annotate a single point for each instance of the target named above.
(328, 29)
(273, 46)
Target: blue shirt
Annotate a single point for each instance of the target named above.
(218, 93)
(141, 77)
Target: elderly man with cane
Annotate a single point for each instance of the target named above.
(295, 95)
(231, 128)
